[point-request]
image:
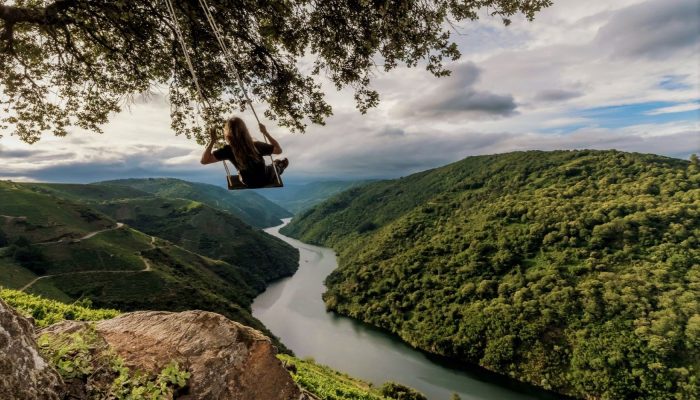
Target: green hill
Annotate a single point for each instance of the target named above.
(66, 251)
(300, 197)
(92, 192)
(209, 232)
(247, 205)
(192, 225)
(578, 271)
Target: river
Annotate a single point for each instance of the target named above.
(293, 310)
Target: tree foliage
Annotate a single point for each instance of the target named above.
(70, 63)
(575, 271)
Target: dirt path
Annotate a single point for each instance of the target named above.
(119, 225)
(11, 217)
(146, 262)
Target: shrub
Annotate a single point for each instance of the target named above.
(396, 391)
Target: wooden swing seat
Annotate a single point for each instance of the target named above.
(234, 183)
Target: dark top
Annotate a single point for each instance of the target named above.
(254, 175)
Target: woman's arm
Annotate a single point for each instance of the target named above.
(277, 149)
(207, 157)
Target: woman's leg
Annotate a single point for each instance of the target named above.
(280, 165)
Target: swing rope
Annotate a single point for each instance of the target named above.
(228, 56)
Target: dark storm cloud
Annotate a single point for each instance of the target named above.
(654, 29)
(554, 95)
(472, 101)
(457, 95)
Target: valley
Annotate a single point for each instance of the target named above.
(570, 271)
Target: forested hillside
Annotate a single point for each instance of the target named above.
(67, 250)
(247, 205)
(578, 271)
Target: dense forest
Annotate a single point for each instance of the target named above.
(578, 271)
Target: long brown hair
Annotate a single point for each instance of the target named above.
(237, 135)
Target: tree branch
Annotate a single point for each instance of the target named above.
(53, 14)
(49, 15)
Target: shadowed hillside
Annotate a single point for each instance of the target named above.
(192, 225)
(574, 270)
(207, 231)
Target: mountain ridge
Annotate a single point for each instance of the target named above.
(249, 206)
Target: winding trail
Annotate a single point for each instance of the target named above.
(11, 217)
(119, 225)
(146, 262)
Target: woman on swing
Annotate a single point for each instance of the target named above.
(245, 154)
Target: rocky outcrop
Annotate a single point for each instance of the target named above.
(23, 373)
(226, 360)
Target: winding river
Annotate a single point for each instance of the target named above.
(293, 310)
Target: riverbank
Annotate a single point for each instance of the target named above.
(293, 310)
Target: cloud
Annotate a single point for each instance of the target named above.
(391, 131)
(6, 154)
(675, 82)
(457, 96)
(675, 109)
(653, 29)
(552, 95)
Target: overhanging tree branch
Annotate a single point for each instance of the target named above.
(92, 54)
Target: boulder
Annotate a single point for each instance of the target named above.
(226, 360)
(23, 373)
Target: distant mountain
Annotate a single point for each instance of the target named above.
(578, 271)
(299, 197)
(66, 250)
(91, 192)
(247, 205)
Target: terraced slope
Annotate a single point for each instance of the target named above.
(247, 205)
(213, 233)
(93, 192)
(192, 225)
(578, 271)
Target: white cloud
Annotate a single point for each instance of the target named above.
(675, 109)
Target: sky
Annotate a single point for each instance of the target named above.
(594, 74)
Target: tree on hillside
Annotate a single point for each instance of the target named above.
(74, 62)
